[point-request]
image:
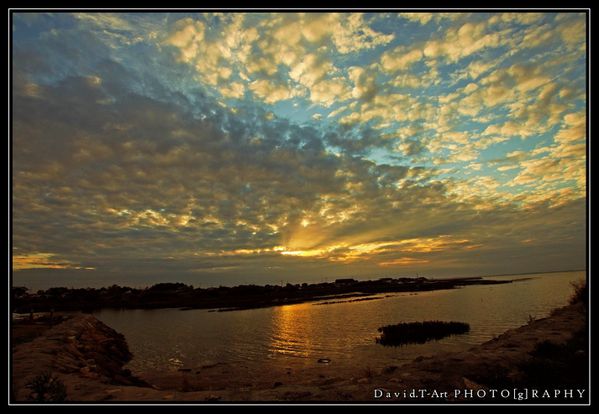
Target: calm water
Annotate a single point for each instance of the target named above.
(344, 332)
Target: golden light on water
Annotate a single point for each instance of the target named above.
(291, 335)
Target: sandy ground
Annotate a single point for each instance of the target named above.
(87, 379)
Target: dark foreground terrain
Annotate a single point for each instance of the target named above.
(78, 358)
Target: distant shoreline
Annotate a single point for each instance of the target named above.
(535, 273)
(316, 280)
(179, 295)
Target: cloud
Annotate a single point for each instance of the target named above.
(460, 42)
(403, 261)
(520, 18)
(236, 90)
(364, 83)
(352, 34)
(231, 145)
(187, 37)
(400, 59)
(42, 261)
(412, 147)
(270, 92)
(328, 92)
(276, 41)
(573, 32)
(574, 129)
(424, 18)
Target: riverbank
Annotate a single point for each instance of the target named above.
(88, 357)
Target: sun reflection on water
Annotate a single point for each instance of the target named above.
(291, 331)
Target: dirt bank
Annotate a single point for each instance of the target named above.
(82, 352)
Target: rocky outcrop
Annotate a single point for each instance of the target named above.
(81, 352)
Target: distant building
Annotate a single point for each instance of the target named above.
(345, 281)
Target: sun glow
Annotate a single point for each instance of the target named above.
(43, 261)
(386, 252)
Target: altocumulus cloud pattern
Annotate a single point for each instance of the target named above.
(235, 148)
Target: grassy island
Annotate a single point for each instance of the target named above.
(419, 332)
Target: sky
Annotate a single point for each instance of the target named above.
(228, 148)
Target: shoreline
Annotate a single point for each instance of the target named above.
(185, 297)
(76, 349)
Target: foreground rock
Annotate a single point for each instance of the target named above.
(81, 352)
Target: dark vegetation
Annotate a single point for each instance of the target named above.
(47, 388)
(565, 366)
(553, 366)
(581, 293)
(419, 332)
(179, 295)
(559, 366)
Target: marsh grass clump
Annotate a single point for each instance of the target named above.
(581, 293)
(46, 387)
(419, 332)
(554, 365)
